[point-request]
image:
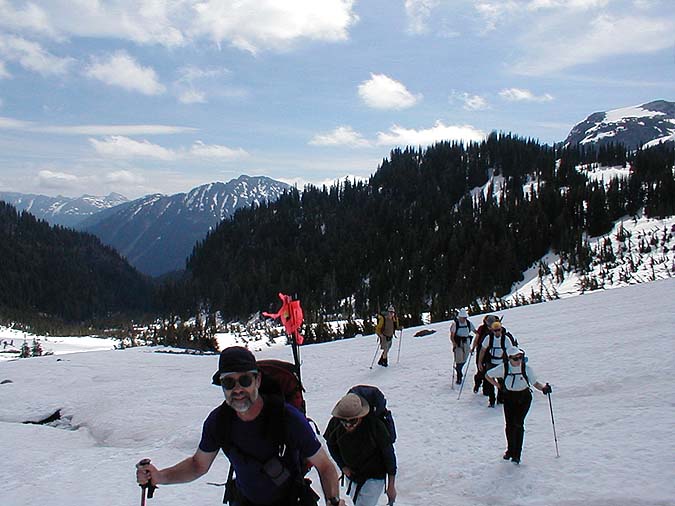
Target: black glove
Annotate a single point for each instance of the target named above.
(547, 389)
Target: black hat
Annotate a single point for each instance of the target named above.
(234, 359)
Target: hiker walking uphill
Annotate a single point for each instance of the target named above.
(492, 354)
(267, 441)
(387, 324)
(461, 329)
(363, 448)
(514, 379)
(482, 332)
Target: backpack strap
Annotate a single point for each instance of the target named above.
(522, 373)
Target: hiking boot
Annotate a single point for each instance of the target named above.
(381, 361)
(491, 404)
(385, 362)
(506, 456)
(458, 380)
(515, 460)
(475, 389)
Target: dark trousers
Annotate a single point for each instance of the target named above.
(516, 406)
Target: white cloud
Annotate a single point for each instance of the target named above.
(31, 17)
(419, 12)
(383, 92)
(399, 136)
(341, 136)
(192, 97)
(471, 102)
(497, 12)
(13, 124)
(122, 70)
(522, 95)
(56, 180)
(192, 80)
(117, 146)
(123, 177)
(216, 151)
(111, 129)
(253, 25)
(31, 56)
(552, 48)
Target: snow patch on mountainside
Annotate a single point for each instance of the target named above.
(635, 251)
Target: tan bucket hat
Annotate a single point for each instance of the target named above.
(351, 406)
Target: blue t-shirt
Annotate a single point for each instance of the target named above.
(255, 448)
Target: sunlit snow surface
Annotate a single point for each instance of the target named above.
(608, 355)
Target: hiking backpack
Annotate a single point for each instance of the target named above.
(488, 356)
(458, 326)
(522, 372)
(378, 406)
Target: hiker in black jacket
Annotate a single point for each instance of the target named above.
(515, 380)
(361, 446)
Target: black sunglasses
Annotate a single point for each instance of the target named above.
(350, 422)
(518, 357)
(245, 381)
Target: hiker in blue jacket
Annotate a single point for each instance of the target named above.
(362, 447)
(514, 379)
(242, 427)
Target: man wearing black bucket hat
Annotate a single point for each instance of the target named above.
(243, 427)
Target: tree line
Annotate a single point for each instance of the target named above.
(52, 275)
(414, 234)
(417, 234)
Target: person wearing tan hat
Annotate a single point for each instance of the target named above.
(242, 427)
(493, 353)
(514, 378)
(362, 447)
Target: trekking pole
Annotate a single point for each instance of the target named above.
(466, 373)
(454, 366)
(400, 340)
(377, 347)
(148, 487)
(555, 437)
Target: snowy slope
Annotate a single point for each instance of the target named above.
(607, 354)
(636, 126)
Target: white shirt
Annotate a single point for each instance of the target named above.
(515, 381)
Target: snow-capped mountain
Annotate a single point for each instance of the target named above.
(65, 211)
(156, 233)
(638, 126)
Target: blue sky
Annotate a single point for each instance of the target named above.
(145, 96)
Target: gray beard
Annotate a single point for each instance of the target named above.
(242, 405)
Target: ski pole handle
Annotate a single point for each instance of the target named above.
(146, 486)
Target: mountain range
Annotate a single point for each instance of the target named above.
(64, 211)
(156, 233)
(635, 127)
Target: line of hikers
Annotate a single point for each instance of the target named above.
(262, 429)
(500, 365)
